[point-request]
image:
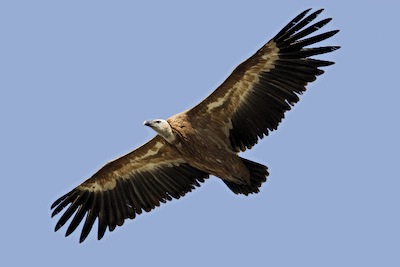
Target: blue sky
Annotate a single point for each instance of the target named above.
(78, 78)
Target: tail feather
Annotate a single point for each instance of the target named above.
(258, 175)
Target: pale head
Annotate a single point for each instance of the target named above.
(163, 128)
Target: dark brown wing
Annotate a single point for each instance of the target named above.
(254, 98)
(124, 187)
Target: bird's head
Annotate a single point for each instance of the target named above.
(163, 128)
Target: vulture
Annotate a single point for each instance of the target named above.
(206, 139)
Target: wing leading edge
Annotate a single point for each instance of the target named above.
(136, 182)
(253, 99)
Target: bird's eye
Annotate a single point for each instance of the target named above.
(157, 121)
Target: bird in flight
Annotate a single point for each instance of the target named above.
(206, 139)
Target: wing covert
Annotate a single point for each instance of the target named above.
(253, 99)
(139, 181)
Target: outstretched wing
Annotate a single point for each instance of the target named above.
(254, 98)
(124, 187)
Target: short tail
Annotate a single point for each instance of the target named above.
(258, 175)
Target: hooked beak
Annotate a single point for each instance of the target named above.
(147, 123)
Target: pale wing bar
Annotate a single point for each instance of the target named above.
(139, 191)
(277, 89)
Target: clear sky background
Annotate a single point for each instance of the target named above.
(78, 78)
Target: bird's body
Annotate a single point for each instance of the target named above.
(206, 139)
(211, 153)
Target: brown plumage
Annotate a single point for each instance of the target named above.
(206, 139)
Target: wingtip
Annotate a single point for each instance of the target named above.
(53, 214)
(69, 231)
(58, 226)
(58, 201)
(100, 236)
(307, 10)
(302, 14)
(81, 239)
